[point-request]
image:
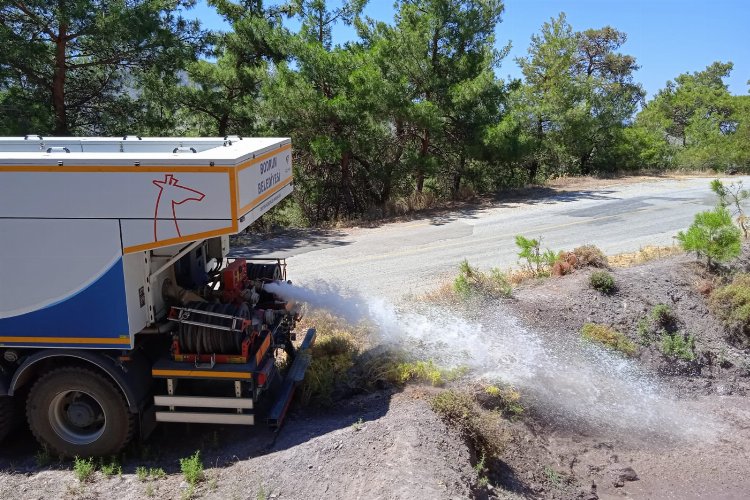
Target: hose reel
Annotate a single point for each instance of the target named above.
(212, 328)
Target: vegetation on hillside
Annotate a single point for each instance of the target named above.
(409, 112)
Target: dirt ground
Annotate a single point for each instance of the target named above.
(391, 445)
(715, 384)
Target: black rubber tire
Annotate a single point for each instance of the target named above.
(116, 430)
(8, 416)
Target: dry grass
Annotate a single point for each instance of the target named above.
(645, 254)
(486, 431)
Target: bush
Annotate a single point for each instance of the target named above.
(731, 303)
(332, 358)
(678, 346)
(483, 430)
(472, 282)
(84, 469)
(590, 256)
(192, 469)
(537, 261)
(608, 337)
(502, 398)
(662, 317)
(713, 236)
(602, 281)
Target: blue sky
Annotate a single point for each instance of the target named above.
(667, 37)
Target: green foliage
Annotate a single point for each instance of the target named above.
(483, 430)
(538, 262)
(472, 282)
(608, 337)
(426, 371)
(731, 303)
(110, 469)
(104, 52)
(192, 469)
(141, 473)
(43, 457)
(84, 469)
(602, 281)
(662, 316)
(502, 398)
(678, 346)
(733, 195)
(552, 476)
(333, 357)
(701, 123)
(712, 235)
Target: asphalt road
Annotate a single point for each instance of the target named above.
(396, 259)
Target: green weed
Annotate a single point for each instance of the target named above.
(111, 468)
(192, 469)
(43, 457)
(84, 469)
(602, 281)
(553, 476)
(678, 346)
(731, 303)
(471, 282)
(608, 337)
(141, 473)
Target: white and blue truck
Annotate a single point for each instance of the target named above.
(119, 307)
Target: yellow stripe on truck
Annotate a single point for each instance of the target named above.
(201, 374)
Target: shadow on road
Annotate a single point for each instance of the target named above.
(285, 243)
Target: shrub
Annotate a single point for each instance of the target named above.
(426, 371)
(332, 358)
(483, 430)
(84, 469)
(504, 399)
(731, 303)
(608, 337)
(590, 256)
(733, 195)
(111, 468)
(602, 281)
(472, 282)
(192, 469)
(678, 346)
(713, 236)
(662, 316)
(537, 261)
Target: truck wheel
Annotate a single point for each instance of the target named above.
(78, 412)
(7, 416)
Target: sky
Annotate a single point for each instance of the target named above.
(667, 37)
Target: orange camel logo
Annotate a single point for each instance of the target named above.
(171, 194)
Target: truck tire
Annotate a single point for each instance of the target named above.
(75, 411)
(8, 418)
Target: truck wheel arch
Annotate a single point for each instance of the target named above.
(134, 381)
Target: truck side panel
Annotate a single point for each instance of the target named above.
(62, 283)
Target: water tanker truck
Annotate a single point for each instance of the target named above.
(119, 307)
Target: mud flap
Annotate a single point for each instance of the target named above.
(293, 378)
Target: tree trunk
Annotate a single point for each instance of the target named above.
(223, 124)
(533, 170)
(346, 182)
(457, 176)
(58, 83)
(423, 150)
